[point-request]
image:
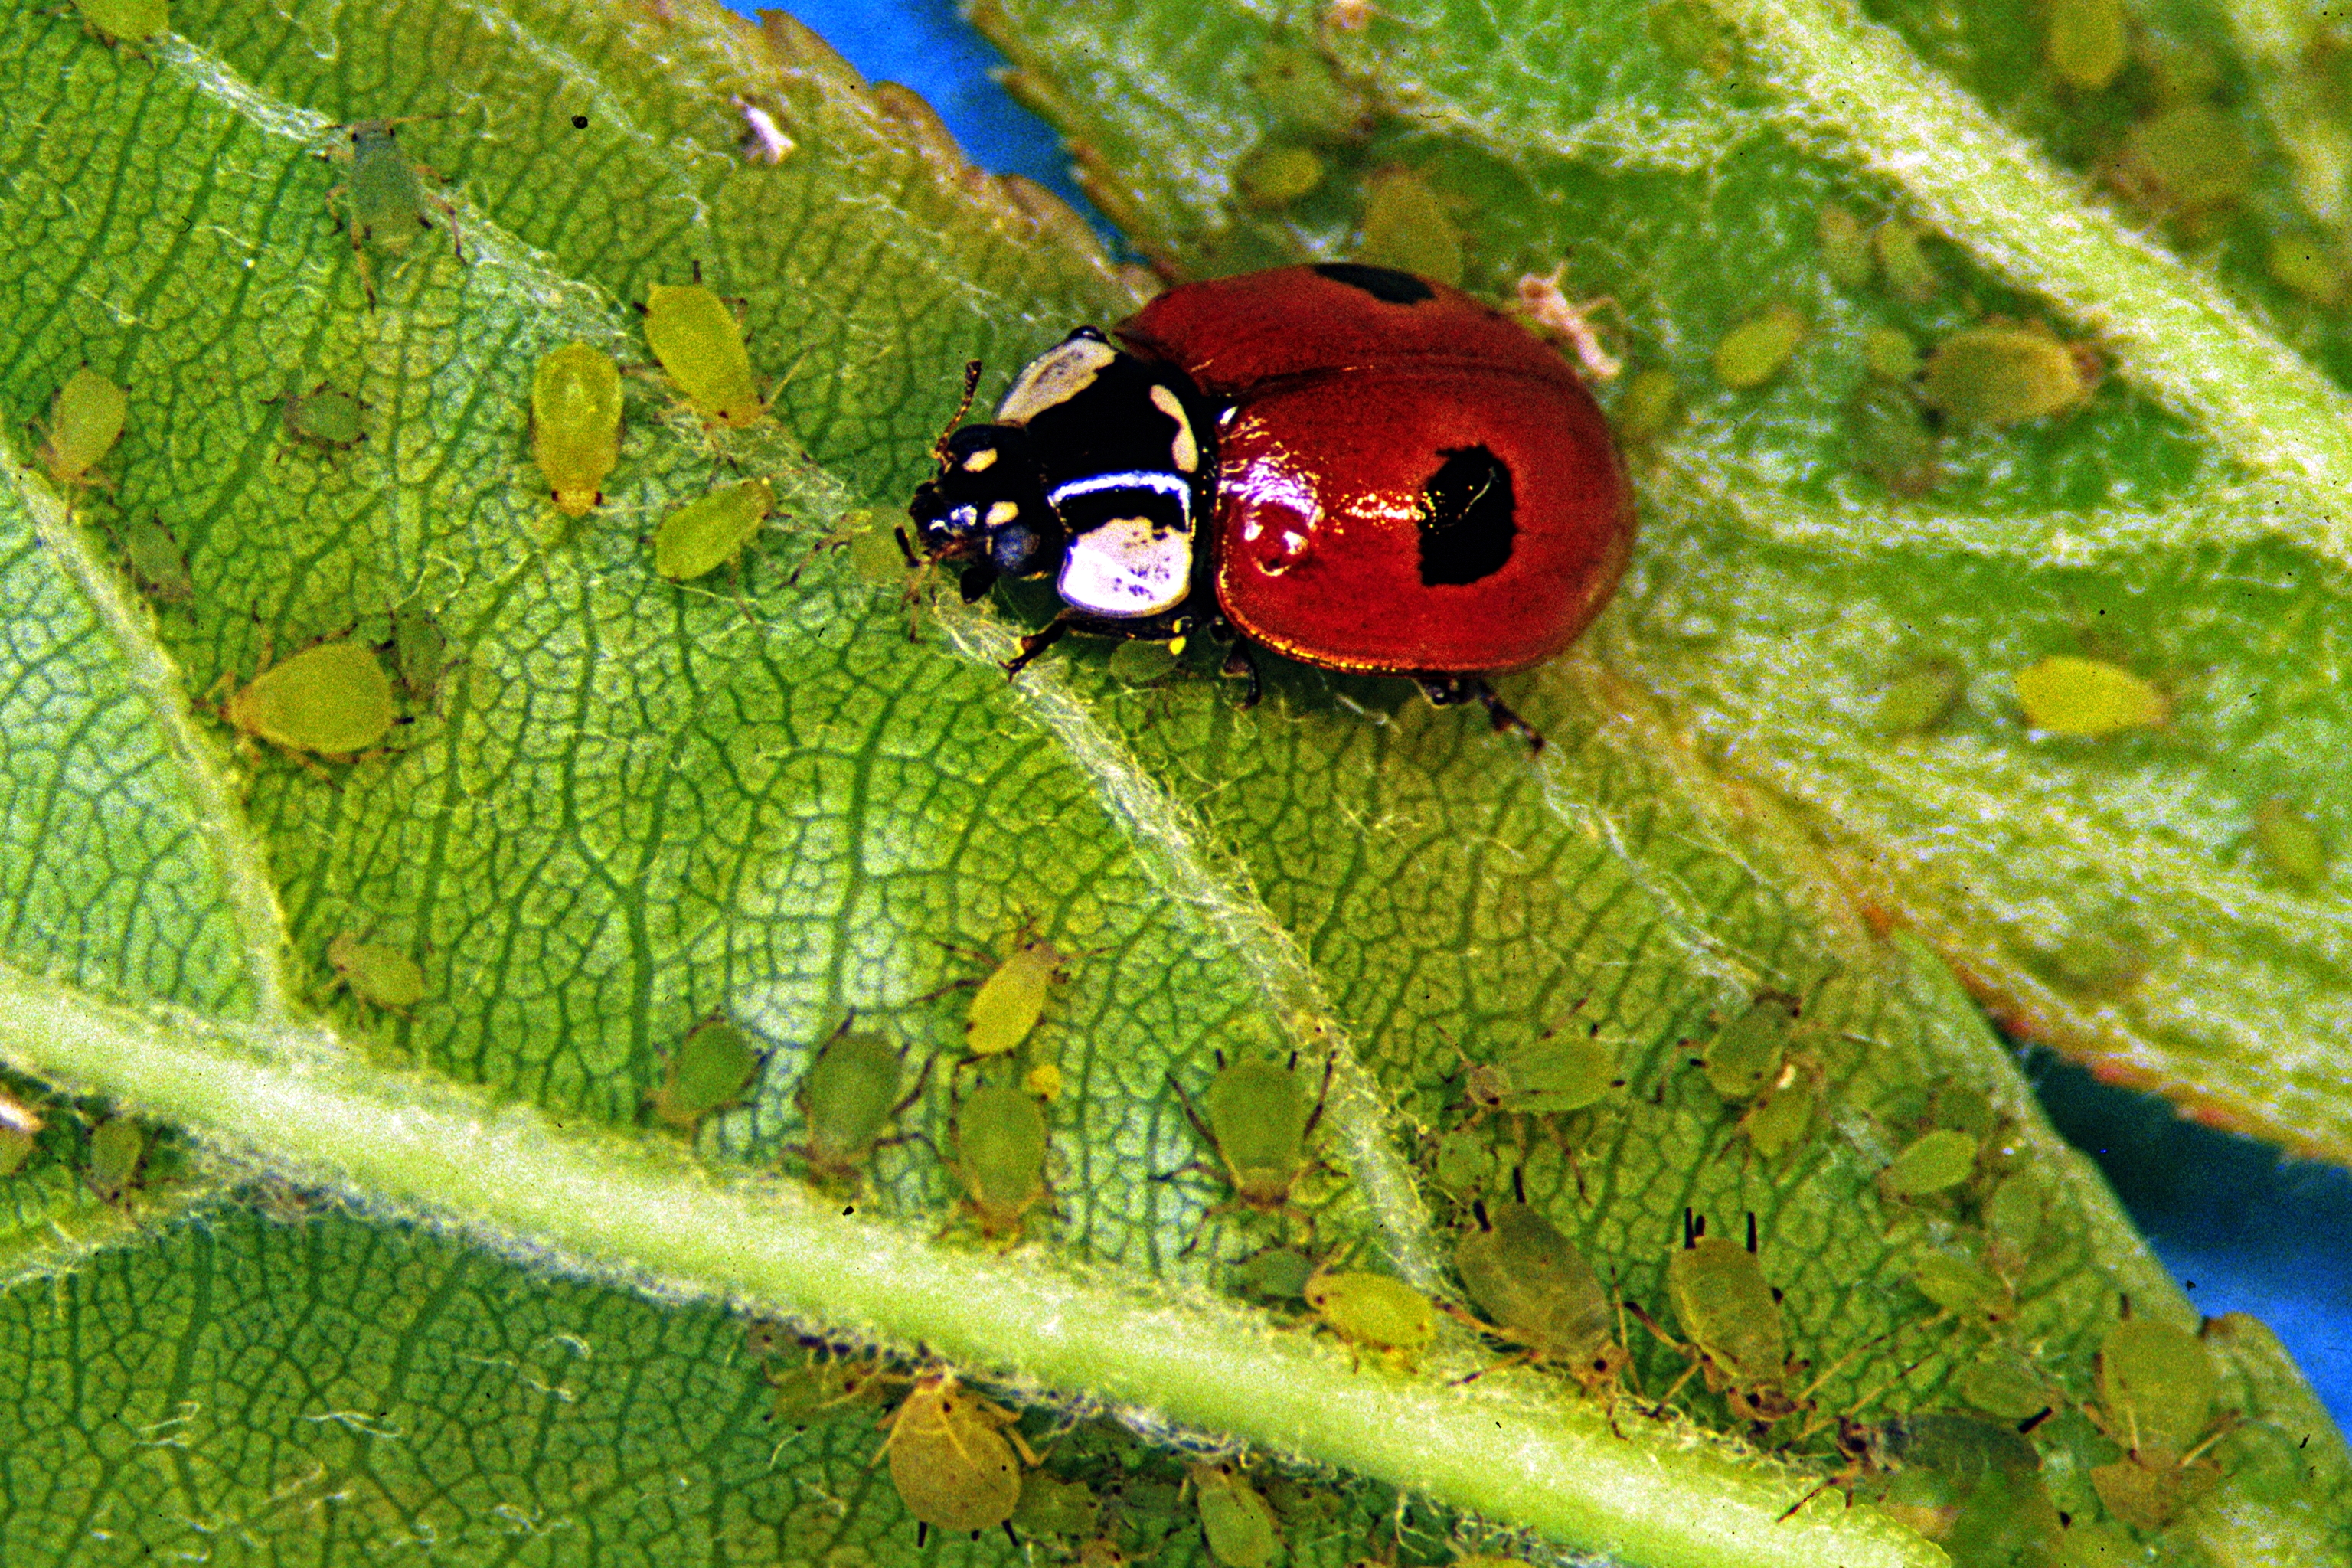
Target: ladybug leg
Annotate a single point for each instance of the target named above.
(1242, 665)
(1449, 690)
(1036, 643)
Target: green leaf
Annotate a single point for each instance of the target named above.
(437, 1278)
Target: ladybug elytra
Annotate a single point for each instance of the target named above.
(1354, 467)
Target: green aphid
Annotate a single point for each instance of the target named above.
(1995, 1508)
(118, 1146)
(1691, 35)
(1651, 404)
(824, 1383)
(710, 531)
(1890, 354)
(156, 562)
(1275, 1273)
(1887, 434)
(2005, 375)
(1780, 1119)
(1919, 697)
(1462, 1162)
(710, 1071)
(1903, 262)
(950, 1458)
(384, 199)
(1747, 1054)
(1309, 91)
(1259, 1123)
(1012, 999)
(2002, 1382)
(1753, 352)
(1407, 225)
(333, 699)
(2312, 267)
(1052, 1506)
(125, 21)
(1373, 1311)
(1932, 1162)
(1238, 1524)
(2292, 847)
(420, 652)
(85, 418)
(848, 1096)
(323, 417)
(2086, 697)
(2086, 42)
(1000, 1137)
(1274, 175)
(1845, 248)
(1962, 1286)
(2158, 1385)
(700, 344)
(575, 424)
(1540, 1293)
(20, 1125)
(1140, 661)
(378, 975)
(1728, 1309)
(2187, 163)
(1550, 1076)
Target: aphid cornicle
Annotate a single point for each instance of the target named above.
(383, 196)
(1538, 1291)
(333, 699)
(700, 344)
(848, 1096)
(952, 1455)
(85, 418)
(575, 424)
(1259, 1123)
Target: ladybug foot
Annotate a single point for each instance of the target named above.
(1032, 646)
(1450, 690)
(1240, 665)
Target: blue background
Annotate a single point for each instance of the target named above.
(2240, 1229)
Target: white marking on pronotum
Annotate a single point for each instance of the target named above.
(1055, 376)
(1002, 512)
(1130, 567)
(765, 140)
(979, 460)
(1184, 449)
(1173, 485)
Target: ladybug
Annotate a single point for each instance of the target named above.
(1354, 467)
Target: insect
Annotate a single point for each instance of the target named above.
(2157, 1389)
(999, 1156)
(118, 1147)
(575, 424)
(420, 651)
(700, 344)
(2087, 42)
(384, 195)
(2291, 845)
(708, 1071)
(2065, 695)
(378, 975)
(1733, 1318)
(1259, 1123)
(333, 699)
(2006, 375)
(323, 417)
(1236, 1521)
(1348, 465)
(1752, 352)
(1748, 1059)
(1538, 1291)
(952, 1455)
(156, 562)
(125, 21)
(1373, 1309)
(823, 1382)
(1279, 1273)
(1931, 1162)
(1546, 1076)
(709, 532)
(85, 418)
(1011, 998)
(849, 1094)
(1052, 1506)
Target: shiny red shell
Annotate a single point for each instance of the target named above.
(1344, 402)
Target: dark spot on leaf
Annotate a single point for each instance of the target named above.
(1468, 518)
(579, 122)
(1385, 284)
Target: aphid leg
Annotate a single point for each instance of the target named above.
(1322, 1094)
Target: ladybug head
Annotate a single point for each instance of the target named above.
(986, 505)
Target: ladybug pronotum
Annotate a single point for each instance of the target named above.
(1353, 467)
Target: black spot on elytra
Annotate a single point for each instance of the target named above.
(1468, 518)
(1385, 284)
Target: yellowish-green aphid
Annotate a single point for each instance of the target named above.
(2087, 41)
(1238, 1522)
(118, 1146)
(2187, 163)
(1903, 262)
(420, 651)
(2002, 1382)
(323, 417)
(1550, 1076)
(1407, 225)
(1930, 1164)
(823, 1382)
(710, 531)
(999, 1156)
(708, 1071)
(156, 562)
(1886, 431)
(1012, 999)
(1962, 1286)
(1919, 697)
(1259, 1121)
(86, 419)
(2291, 845)
(1652, 403)
(384, 198)
(698, 342)
(847, 1097)
(378, 975)
(2312, 267)
(1052, 1506)
(1275, 174)
(1140, 662)
(1845, 248)
(1278, 1273)
(950, 1458)
(20, 1124)
(2004, 375)
(1753, 352)
(1539, 1292)
(125, 21)
(1726, 1307)
(1462, 1160)
(575, 424)
(333, 699)
(1890, 354)
(1373, 1310)
(2156, 1388)
(1746, 1055)
(2067, 695)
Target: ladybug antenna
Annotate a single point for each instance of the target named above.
(963, 406)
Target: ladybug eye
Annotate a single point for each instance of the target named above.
(1468, 518)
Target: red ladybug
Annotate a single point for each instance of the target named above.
(1393, 478)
